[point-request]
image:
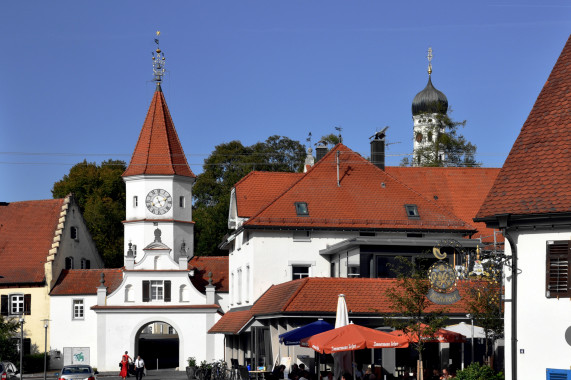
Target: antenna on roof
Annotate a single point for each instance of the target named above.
(429, 56)
(158, 62)
(339, 129)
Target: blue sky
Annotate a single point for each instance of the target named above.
(76, 75)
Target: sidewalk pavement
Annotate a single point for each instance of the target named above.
(151, 375)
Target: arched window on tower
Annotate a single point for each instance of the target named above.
(69, 262)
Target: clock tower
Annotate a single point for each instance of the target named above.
(159, 182)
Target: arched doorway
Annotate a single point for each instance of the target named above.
(158, 344)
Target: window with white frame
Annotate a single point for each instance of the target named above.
(16, 304)
(157, 290)
(299, 271)
(239, 298)
(78, 309)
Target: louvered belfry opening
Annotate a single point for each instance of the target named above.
(558, 257)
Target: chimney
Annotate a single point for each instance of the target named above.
(320, 150)
(378, 149)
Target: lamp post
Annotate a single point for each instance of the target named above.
(21, 344)
(472, 344)
(45, 347)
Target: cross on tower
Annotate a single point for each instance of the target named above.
(429, 56)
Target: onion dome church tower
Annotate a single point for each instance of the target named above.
(427, 105)
(158, 182)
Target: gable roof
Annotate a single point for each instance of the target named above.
(257, 189)
(316, 295)
(27, 232)
(461, 190)
(218, 265)
(536, 176)
(365, 198)
(86, 281)
(158, 150)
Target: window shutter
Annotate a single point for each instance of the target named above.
(167, 291)
(4, 305)
(27, 304)
(146, 291)
(557, 271)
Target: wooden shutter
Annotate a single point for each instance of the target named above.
(4, 309)
(167, 291)
(146, 291)
(27, 304)
(557, 271)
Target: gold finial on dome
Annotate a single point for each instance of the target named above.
(429, 56)
(158, 62)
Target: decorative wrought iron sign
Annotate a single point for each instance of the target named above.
(442, 276)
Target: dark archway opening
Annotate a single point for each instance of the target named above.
(158, 344)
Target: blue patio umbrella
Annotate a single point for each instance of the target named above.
(294, 337)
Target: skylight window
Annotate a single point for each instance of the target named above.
(412, 211)
(301, 209)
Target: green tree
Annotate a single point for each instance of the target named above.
(448, 148)
(484, 303)
(100, 193)
(226, 165)
(475, 371)
(410, 303)
(8, 329)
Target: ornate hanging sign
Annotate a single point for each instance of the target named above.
(442, 276)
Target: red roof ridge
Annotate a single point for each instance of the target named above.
(292, 297)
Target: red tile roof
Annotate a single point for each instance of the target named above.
(218, 265)
(258, 189)
(158, 150)
(461, 190)
(314, 295)
(86, 281)
(27, 231)
(367, 197)
(536, 177)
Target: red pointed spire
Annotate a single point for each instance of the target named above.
(158, 150)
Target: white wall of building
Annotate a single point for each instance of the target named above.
(541, 321)
(268, 257)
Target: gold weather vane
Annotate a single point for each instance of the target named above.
(429, 56)
(158, 61)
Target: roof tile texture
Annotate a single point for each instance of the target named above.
(461, 190)
(158, 150)
(86, 281)
(258, 189)
(366, 197)
(202, 265)
(536, 177)
(27, 231)
(319, 295)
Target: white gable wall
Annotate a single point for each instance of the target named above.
(543, 344)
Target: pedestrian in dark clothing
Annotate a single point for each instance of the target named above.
(139, 368)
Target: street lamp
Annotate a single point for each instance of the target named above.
(21, 344)
(45, 347)
(472, 344)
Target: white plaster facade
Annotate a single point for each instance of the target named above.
(542, 323)
(426, 129)
(176, 224)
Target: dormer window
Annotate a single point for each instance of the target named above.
(412, 211)
(301, 209)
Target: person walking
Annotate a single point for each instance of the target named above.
(139, 368)
(125, 359)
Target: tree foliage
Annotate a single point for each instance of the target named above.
(448, 148)
(100, 193)
(8, 346)
(475, 371)
(410, 303)
(225, 166)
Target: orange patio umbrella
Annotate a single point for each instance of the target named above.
(354, 337)
(440, 336)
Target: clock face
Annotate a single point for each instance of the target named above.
(158, 201)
